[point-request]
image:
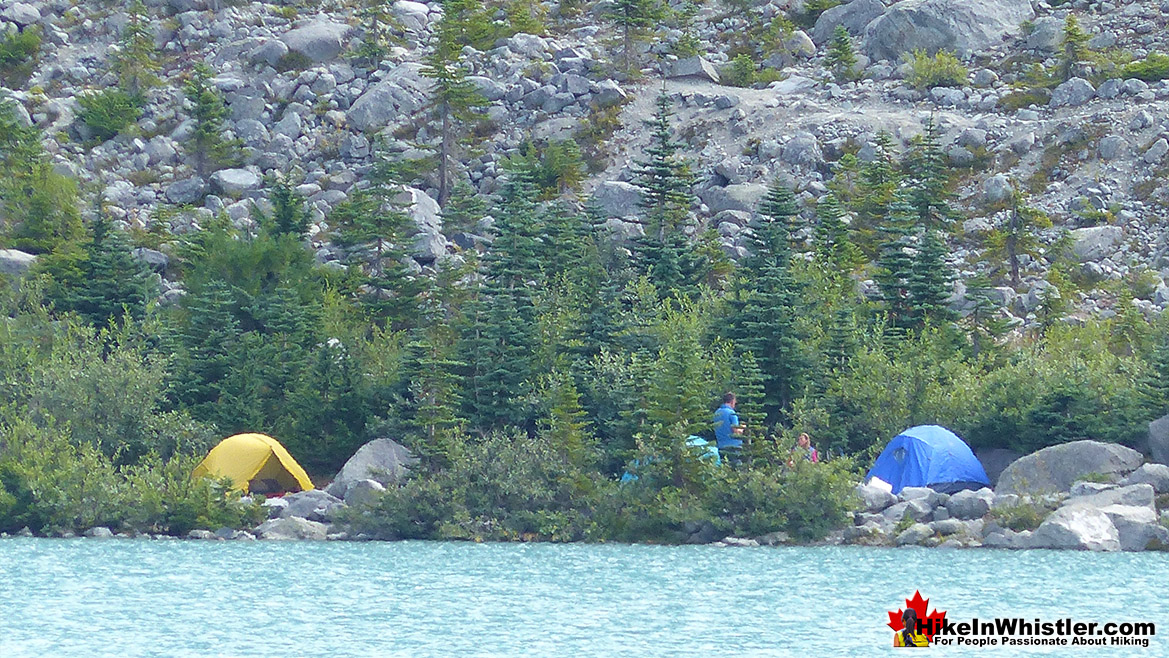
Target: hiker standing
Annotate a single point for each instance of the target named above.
(727, 430)
(804, 448)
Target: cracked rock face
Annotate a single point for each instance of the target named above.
(964, 26)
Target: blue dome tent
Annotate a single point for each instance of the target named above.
(929, 456)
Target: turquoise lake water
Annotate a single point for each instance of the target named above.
(78, 597)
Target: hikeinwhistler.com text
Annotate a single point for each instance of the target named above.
(1016, 631)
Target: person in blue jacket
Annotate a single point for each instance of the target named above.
(727, 430)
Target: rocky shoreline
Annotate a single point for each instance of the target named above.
(1083, 495)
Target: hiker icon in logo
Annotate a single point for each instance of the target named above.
(913, 627)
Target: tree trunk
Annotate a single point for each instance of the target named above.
(444, 156)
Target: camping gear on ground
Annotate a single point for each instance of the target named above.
(929, 456)
(245, 458)
(702, 449)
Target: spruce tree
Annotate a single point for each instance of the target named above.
(930, 281)
(208, 336)
(430, 370)
(375, 230)
(841, 56)
(878, 183)
(112, 281)
(289, 214)
(633, 18)
(1073, 47)
(834, 248)
(928, 181)
(664, 176)
(984, 320)
(1017, 235)
(210, 150)
(764, 322)
(454, 99)
(895, 264)
(136, 58)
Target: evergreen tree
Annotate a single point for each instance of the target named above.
(928, 181)
(633, 18)
(895, 264)
(463, 210)
(833, 246)
(664, 177)
(984, 320)
(430, 371)
(210, 150)
(930, 281)
(112, 280)
(841, 56)
(878, 183)
(764, 323)
(842, 340)
(455, 100)
(375, 230)
(208, 336)
(1154, 385)
(38, 205)
(381, 28)
(565, 423)
(1073, 47)
(136, 58)
(289, 214)
(1017, 235)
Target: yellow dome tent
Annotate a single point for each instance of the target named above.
(246, 457)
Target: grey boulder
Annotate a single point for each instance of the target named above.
(964, 26)
(1095, 242)
(315, 505)
(970, 504)
(363, 492)
(382, 460)
(15, 262)
(1056, 468)
(1079, 528)
(1073, 93)
(617, 199)
(875, 499)
(401, 93)
(854, 16)
(186, 191)
(1159, 439)
(320, 41)
(694, 67)
(744, 197)
(234, 182)
(291, 528)
(1154, 475)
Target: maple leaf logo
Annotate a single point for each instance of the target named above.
(929, 623)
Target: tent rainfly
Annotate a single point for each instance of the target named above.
(244, 458)
(929, 456)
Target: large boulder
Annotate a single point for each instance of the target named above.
(401, 93)
(413, 15)
(21, 13)
(1154, 475)
(854, 16)
(234, 182)
(1134, 495)
(744, 197)
(15, 262)
(1073, 93)
(186, 191)
(1077, 527)
(315, 505)
(875, 499)
(694, 67)
(363, 492)
(1055, 469)
(320, 41)
(1095, 242)
(970, 504)
(291, 528)
(964, 26)
(1159, 439)
(1136, 526)
(617, 198)
(383, 460)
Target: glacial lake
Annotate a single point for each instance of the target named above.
(84, 597)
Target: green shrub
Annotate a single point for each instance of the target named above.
(740, 72)
(557, 166)
(293, 61)
(1023, 516)
(1150, 69)
(1019, 99)
(18, 56)
(107, 113)
(807, 501)
(941, 70)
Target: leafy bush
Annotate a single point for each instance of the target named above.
(1026, 515)
(107, 113)
(18, 56)
(293, 60)
(941, 70)
(740, 72)
(1150, 69)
